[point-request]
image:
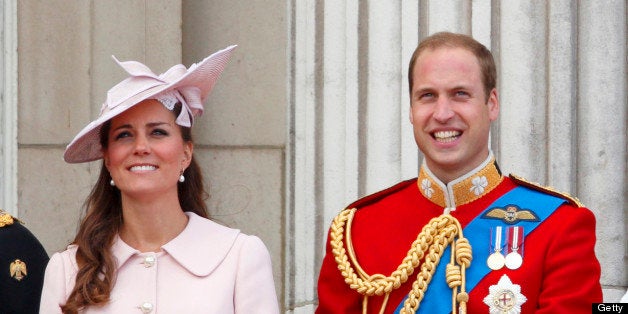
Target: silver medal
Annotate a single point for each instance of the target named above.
(513, 259)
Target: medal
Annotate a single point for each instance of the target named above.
(514, 259)
(495, 260)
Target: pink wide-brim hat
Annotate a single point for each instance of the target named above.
(190, 86)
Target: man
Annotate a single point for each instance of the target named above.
(518, 247)
(22, 264)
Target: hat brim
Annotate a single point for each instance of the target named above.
(86, 146)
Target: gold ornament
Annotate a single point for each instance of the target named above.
(17, 269)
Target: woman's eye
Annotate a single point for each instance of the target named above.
(122, 135)
(160, 132)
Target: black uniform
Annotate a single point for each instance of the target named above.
(22, 264)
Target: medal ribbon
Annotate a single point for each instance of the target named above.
(498, 240)
(515, 239)
(542, 204)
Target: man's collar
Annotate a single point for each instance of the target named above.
(462, 190)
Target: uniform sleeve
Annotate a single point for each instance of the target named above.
(254, 287)
(54, 291)
(334, 296)
(572, 272)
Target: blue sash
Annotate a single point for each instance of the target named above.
(437, 297)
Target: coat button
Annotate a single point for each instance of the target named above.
(149, 261)
(146, 307)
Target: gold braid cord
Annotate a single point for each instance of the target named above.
(430, 244)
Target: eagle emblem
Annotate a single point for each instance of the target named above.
(17, 269)
(511, 214)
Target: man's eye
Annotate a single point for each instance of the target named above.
(426, 96)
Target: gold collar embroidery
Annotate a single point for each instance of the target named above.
(463, 190)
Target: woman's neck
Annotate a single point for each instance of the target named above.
(149, 224)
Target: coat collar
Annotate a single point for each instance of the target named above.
(215, 240)
(465, 189)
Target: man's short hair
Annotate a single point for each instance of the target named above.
(452, 40)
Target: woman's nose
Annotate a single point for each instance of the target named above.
(141, 145)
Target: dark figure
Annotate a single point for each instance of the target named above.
(22, 264)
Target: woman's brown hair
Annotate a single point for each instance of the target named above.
(103, 218)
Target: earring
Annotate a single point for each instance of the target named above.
(181, 178)
(112, 183)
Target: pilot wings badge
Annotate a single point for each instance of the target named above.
(17, 269)
(511, 214)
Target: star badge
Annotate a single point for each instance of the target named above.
(505, 297)
(17, 269)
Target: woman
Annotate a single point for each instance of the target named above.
(146, 244)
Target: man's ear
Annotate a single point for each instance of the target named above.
(493, 105)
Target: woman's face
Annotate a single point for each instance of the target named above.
(146, 154)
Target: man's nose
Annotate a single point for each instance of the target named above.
(443, 110)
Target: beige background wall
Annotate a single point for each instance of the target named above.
(311, 112)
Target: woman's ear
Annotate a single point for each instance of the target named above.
(188, 150)
(105, 160)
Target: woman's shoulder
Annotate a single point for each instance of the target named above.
(65, 258)
(238, 238)
(198, 223)
(59, 277)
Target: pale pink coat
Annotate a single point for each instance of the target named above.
(208, 268)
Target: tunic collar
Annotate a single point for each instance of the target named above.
(199, 248)
(462, 190)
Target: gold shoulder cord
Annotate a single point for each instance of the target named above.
(433, 240)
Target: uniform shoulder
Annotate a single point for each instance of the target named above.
(375, 197)
(6, 219)
(547, 190)
(12, 227)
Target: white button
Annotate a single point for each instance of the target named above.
(146, 307)
(149, 261)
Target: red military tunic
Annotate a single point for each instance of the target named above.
(559, 274)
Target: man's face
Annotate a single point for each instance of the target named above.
(449, 112)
